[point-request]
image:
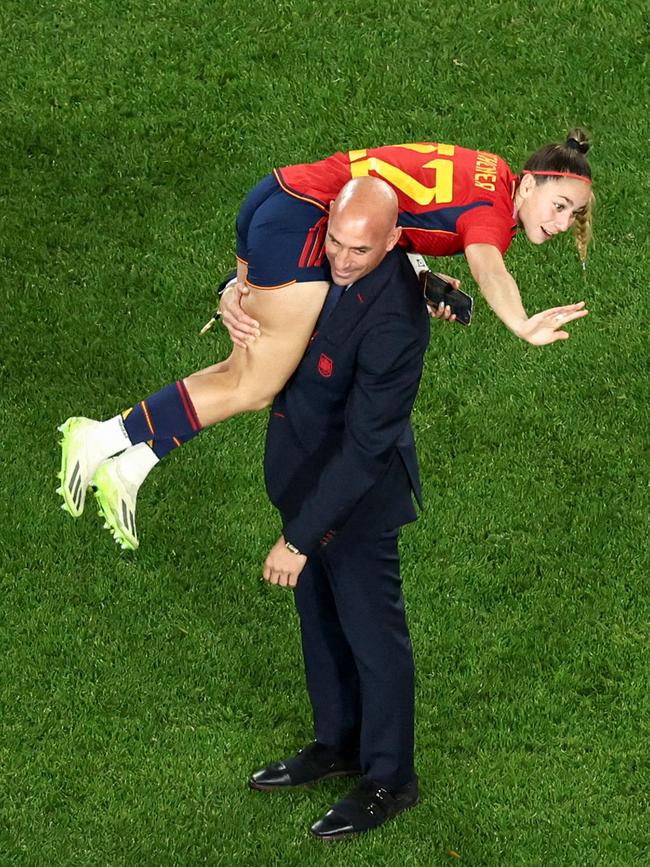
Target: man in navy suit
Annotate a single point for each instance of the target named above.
(341, 468)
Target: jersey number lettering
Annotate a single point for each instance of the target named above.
(441, 192)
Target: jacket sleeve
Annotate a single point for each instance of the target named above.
(389, 367)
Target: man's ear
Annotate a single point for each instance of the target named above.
(393, 238)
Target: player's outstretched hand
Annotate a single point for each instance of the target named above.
(545, 327)
(241, 328)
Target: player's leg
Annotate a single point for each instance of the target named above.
(118, 479)
(248, 380)
(86, 443)
(252, 377)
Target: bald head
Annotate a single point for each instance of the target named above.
(369, 199)
(362, 228)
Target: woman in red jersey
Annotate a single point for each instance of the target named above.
(451, 200)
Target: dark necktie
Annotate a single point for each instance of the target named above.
(332, 299)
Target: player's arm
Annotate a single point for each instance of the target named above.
(501, 292)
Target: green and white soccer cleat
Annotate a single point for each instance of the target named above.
(116, 500)
(79, 460)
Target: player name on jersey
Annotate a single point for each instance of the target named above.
(485, 171)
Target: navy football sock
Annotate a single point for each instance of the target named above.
(167, 415)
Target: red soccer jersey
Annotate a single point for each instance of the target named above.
(449, 196)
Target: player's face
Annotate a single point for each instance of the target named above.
(548, 208)
(355, 247)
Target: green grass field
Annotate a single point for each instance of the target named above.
(138, 691)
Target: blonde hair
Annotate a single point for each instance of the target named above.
(583, 230)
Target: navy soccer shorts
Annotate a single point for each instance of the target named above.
(281, 237)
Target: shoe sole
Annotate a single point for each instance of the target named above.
(111, 520)
(70, 489)
(261, 788)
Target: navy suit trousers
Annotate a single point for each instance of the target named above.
(358, 656)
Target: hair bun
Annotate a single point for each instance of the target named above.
(577, 140)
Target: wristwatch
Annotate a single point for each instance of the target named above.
(292, 548)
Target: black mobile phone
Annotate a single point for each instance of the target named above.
(436, 290)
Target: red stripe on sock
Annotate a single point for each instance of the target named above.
(188, 406)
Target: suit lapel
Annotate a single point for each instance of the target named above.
(356, 302)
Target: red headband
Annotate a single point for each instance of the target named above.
(559, 175)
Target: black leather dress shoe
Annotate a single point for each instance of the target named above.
(367, 806)
(315, 763)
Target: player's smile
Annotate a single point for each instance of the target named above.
(547, 208)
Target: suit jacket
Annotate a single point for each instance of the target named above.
(340, 452)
